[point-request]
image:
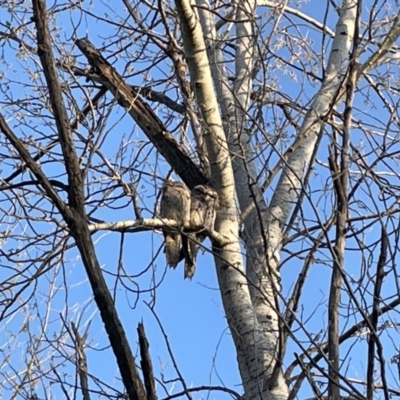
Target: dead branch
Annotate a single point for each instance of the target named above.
(144, 116)
(147, 367)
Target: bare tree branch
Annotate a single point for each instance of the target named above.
(144, 117)
(75, 215)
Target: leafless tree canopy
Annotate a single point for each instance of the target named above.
(287, 111)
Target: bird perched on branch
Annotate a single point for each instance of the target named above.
(175, 204)
(204, 203)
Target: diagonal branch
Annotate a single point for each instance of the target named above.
(75, 215)
(75, 182)
(144, 91)
(74, 125)
(144, 116)
(31, 164)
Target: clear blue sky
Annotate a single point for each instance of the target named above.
(190, 311)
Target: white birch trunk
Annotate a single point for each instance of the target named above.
(289, 185)
(252, 314)
(234, 105)
(255, 351)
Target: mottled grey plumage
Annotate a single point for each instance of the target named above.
(204, 202)
(175, 204)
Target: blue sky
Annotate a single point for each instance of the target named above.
(190, 311)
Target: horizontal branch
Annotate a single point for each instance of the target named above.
(145, 224)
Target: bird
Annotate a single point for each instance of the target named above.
(175, 204)
(203, 206)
